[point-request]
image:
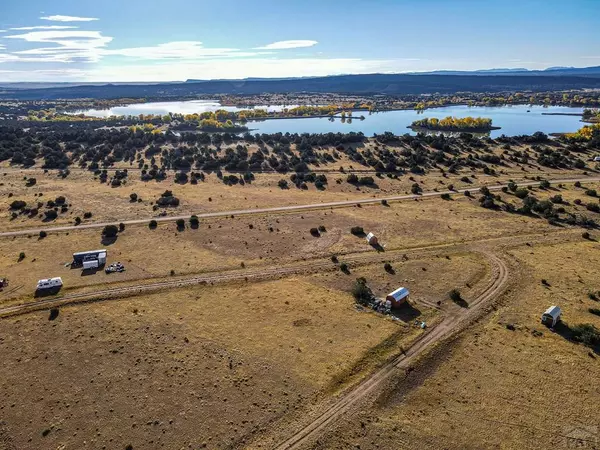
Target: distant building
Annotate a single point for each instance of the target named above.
(398, 297)
(372, 239)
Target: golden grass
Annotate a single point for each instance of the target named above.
(500, 388)
(205, 365)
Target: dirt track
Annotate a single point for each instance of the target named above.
(452, 323)
(284, 209)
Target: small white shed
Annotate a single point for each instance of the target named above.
(372, 239)
(398, 297)
(551, 316)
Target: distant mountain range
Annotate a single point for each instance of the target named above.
(445, 82)
(551, 71)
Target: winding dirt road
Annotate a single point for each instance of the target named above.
(450, 324)
(292, 208)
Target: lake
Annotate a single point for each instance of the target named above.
(513, 120)
(162, 108)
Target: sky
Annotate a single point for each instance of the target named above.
(175, 40)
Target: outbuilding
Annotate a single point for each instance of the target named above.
(551, 316)
(398, 297)
(49, 283)
(372, 239)
(93, 255)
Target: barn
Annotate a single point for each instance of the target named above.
(99, 256)
(398, 297)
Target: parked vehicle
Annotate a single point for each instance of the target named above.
(115, 267)
(49, 283)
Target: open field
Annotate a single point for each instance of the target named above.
(212, 195)
(509, 380)
(273, 346)
(202, 366)
(222, 244)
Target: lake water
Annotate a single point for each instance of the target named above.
(162, 108)
(513, 120)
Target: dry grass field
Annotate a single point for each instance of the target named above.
(201, 367)
(509, 382)
(215, 366)
(226, 243)
(85, 193)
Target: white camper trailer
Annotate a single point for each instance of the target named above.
(49, 283)
(551, 316)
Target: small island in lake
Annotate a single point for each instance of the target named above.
(466, 124)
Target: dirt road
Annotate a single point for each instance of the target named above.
(280, 209)
(452, 323)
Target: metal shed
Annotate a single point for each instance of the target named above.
(551, 316)
(398, 297)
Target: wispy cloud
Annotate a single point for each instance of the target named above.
(59, 18)
(284, 45)
(84, 46)
(43, 27)
(189, 50)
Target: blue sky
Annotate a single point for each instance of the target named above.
(145, 40)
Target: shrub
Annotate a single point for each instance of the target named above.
(457, 298)
(121, 226)
(544, 184)
(577, 184)
(366, 181)
(416, 189)
(352, 178)
(31, 182)
(60, 200)
(384, 202)
(180, 223)
(594, 311)
(133, 197)
(50, 214)
(283, 184)
(77, 220)
(591, 192)
(87, 215)
(18, 204)
(152, 224)
(577, 201)
(21, 256)
(322, 228)
(334, 259)
(556, 199)
(585, 235)
(361, 292)
(594, 207)
(512, 186)
(521, 193)
(357, 231)
(587, 334)
(315, 232)
(110, 231)
(388, 268)
(43, 234)
(455, 295)
(344, 268)
(445, 196)
(194, 221)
